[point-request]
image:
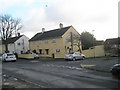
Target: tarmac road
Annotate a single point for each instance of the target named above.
(48, 73)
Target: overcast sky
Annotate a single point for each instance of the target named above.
(84, 15)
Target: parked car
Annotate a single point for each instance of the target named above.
(111, 54)
(36, 56)
(8, 57)
(74, 56)
(115, 70)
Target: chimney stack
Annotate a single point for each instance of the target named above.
(43, 30)
(18, 34)
(61, 25)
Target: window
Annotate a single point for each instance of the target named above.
(18, 43)
(40, 50)
(67, 40)
(10, 54)
(57, 50)
(40, 42)
(34, 51)
(71, 53)
(46, 41)
(33, 42)
(47, 51)
(53, 41)
(21, 52)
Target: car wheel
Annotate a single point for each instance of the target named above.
(14, 60)
(83, 58)
(4, 60)
(74, 59)
(65, 59)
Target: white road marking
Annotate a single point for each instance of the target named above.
(34, 61)
(62, 66)
(87, 65)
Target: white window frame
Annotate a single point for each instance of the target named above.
(53, 41)
(45, 41)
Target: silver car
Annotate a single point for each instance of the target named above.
(74, 56)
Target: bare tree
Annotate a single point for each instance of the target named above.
(74, 39)
(78, 42)
(8, 27)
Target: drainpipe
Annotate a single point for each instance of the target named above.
(14, 48)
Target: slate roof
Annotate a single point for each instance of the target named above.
(113, 41)
(50, 34)
(12, 40)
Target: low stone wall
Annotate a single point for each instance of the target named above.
(55, 56)
(45, 55)
(26, 56)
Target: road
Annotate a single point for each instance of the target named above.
(48, 73)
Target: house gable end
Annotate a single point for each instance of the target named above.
(71, 29)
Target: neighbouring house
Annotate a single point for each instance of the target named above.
(99, 42)
(112, 46)
(55, 43)
(18, 44)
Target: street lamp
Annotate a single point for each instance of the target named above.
(93, 42)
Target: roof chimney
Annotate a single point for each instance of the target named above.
(61, 25)
(43, 30)
(18, 34)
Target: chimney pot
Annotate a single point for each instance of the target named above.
(43, 30)
(61, 25)
(18, 34)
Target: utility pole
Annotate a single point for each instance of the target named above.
(23, 46)
(79, 44)
(71, 37)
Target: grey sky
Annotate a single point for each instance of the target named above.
(83, 15)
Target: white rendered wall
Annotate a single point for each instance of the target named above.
(24, 44)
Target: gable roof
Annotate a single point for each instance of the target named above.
(50, 34)
(113, 41)
(12, 39)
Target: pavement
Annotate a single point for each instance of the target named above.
(103, 64)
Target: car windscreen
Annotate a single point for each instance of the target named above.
(10, 54)
(71, 53)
